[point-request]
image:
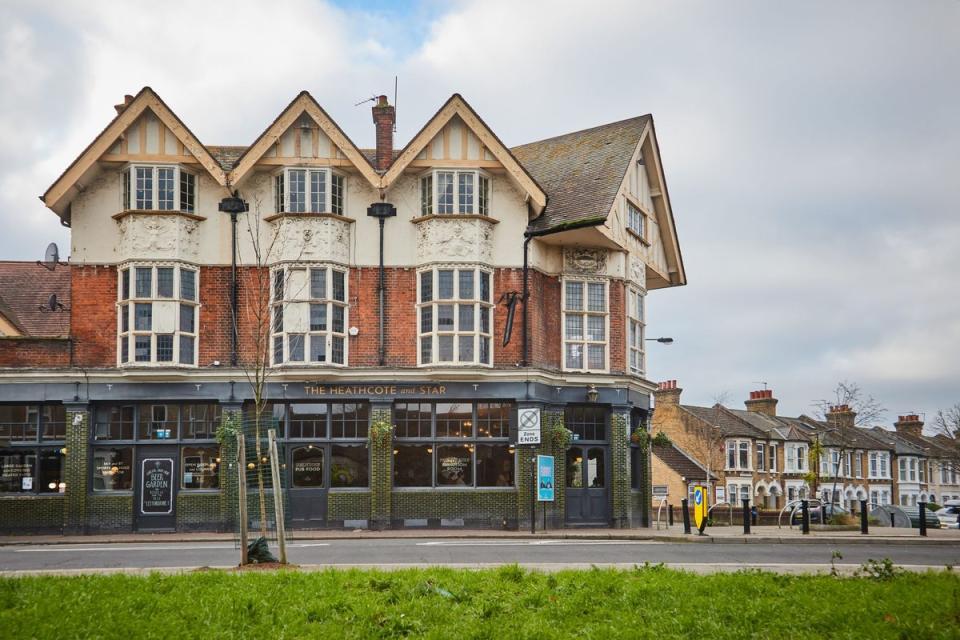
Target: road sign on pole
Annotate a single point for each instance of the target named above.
(545, 491)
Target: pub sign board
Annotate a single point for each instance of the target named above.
(156, 489)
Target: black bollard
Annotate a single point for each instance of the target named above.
(670, 514)
(684, 504)
(805, 517)
(864, 525)
(823, 514)
(923, 518)
(892, 520)
(746, 515)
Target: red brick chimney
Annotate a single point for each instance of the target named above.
(910, 425)
(841, 416)
(762, 401)
(667, 393)
(384, 117)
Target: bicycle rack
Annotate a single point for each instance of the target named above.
(730, 512)
(663, 501)
(793, 506)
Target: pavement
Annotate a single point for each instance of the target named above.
(674, 534)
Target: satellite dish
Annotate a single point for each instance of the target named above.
(50, 257)
(53, 305)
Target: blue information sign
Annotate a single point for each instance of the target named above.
(545, 478)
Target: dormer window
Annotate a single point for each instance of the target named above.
(309, 191)
(454, 192)
(158, 188)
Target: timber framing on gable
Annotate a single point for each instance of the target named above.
(58, 195)
(457, 106)
(303, 103)
(648, 149)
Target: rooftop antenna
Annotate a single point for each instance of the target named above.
(51, 257)
(394, 104)
(373, 99)
(761, 382)
(53, 305)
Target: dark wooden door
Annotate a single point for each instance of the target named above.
(587, 497)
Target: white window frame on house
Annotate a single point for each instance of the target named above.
(331, 199)
(772, 447)
(735, 447)
(761, 452)
(858, 464)
(465, 199)
(796, 458)
(587, 316)
(183, 194)
(879, 465)
(304, 348)
(636, 331)
(182, 340)
(468, 310)
(637, 218)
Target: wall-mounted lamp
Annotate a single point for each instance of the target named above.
(592, 393)
(660, 340)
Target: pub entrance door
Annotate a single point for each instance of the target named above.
(308, 485)
(587, 481)
(155, 490)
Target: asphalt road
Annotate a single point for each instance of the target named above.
(545, 554)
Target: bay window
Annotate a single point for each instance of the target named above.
(738, 454)
(309, 315)
(298, 190)
(158, 188)
(454, 316)
(157, 315)
(448, 192)
(585, 323)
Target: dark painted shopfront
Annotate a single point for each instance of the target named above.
(146, 457)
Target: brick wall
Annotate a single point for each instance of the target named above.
(544, 319)
(33, 514)
(93, 315)
(34, 352)
(94, 320)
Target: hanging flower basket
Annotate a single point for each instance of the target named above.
(380, 432)
(561, 437)
(640, 437)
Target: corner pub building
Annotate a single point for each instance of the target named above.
(513, 278)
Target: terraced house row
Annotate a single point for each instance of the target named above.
(440, 289)
(756, 454)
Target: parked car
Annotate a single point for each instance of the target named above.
(950, 514)
(815, 513)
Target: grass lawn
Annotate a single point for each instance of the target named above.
(503, 603)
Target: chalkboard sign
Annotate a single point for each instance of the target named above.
(156, 488)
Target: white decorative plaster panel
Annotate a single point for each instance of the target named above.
(311, 238)
(442, 239)
(159, 237)
(638, 271)
(585, 261)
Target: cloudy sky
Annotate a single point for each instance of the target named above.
(811, 148)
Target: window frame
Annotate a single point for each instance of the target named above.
(428, 182)
(636, 330)
(333, 204)
(634, 213)
(585, 314)
(480, 307)
(128, 191)
(328, 335)
(432, 441)
(128, 300)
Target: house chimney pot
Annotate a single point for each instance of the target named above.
(127, 99)
(762, 401)
(667, 393)
(910, 424)
(384, 117)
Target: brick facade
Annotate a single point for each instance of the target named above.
(34, 352)
(93, 315)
